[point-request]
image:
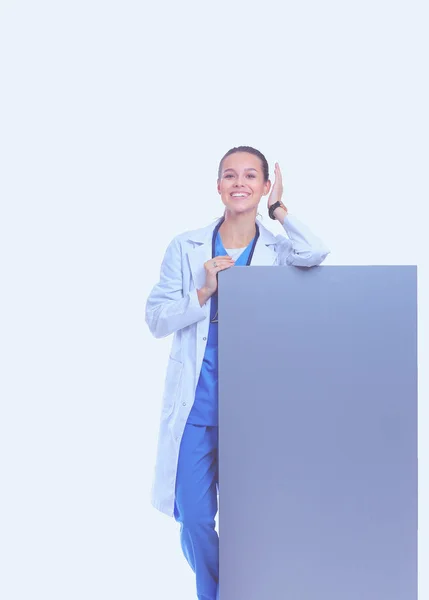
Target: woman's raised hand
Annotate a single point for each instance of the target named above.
(277, 188)
(212, 268)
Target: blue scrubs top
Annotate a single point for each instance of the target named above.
(205, 408)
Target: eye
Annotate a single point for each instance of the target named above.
(228, 176)
(251, 175)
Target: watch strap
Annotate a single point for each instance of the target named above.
(273, 208)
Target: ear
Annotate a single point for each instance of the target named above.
(218, 186)
(267, 187)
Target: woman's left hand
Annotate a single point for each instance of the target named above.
(277, 189)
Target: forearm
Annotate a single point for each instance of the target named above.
(303, 247)
(203, 295)
(300, 233)
(280, 214)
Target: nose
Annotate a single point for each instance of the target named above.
(239, 182)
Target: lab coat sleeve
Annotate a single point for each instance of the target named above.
(168, 309)
(301, 248)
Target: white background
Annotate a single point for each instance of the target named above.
(114, 116)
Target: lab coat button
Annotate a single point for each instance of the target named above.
(204, 339)
(184, 403)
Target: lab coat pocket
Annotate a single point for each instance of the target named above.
(171, 389)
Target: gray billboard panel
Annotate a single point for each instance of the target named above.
(318, 433)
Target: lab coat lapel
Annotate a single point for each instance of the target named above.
(264, 253)
(197, 257)
(200, 253)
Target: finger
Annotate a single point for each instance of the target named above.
(220, 261)
(211, 268)
(221, 266)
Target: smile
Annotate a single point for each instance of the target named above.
(239, 195)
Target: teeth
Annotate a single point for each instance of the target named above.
(240, 195)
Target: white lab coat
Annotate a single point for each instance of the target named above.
(173, 307)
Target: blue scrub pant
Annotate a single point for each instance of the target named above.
(196, 506)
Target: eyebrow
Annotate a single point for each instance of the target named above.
(249, 169)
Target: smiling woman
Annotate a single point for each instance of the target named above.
(184, 303)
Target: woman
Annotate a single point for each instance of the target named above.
(184, 302)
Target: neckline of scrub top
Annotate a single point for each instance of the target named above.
(215, 235)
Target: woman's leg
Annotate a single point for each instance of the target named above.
(196, 505)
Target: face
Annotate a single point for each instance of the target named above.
(241, 184)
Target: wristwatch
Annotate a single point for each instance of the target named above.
(273, 208)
